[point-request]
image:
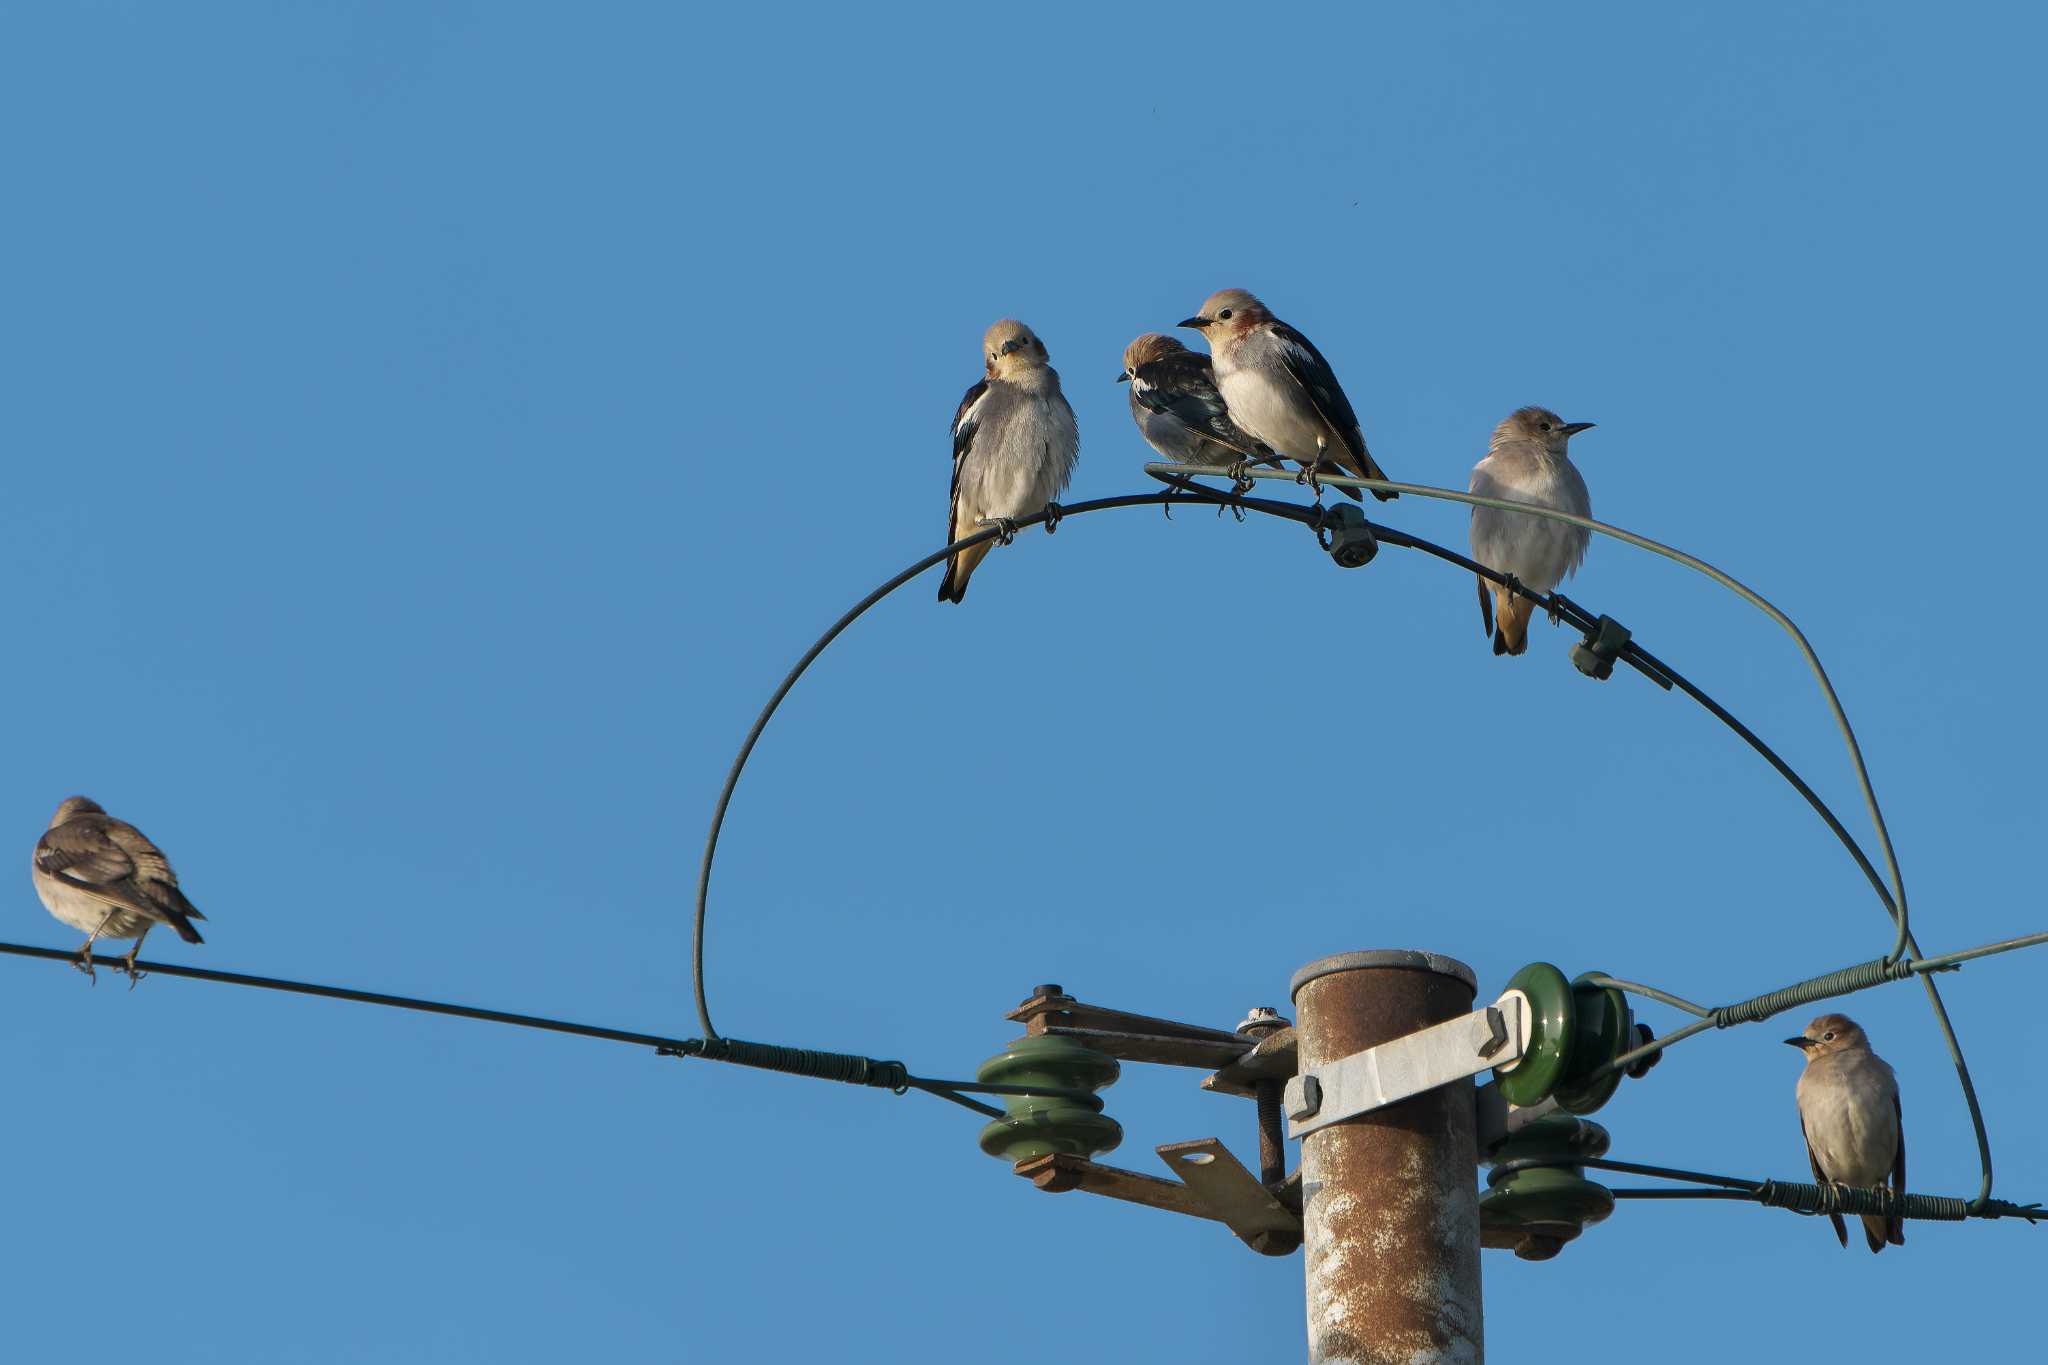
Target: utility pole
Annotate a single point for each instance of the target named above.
(1390, 1212)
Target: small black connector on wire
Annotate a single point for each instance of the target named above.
(1344, 532)
(1594, 656)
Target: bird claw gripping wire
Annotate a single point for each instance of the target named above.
(1053, 513)
(1241, 481)
(1006, 529)
(1308, 476)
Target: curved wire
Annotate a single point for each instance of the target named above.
(789, 680)
(1179, 477)
(1728, 581)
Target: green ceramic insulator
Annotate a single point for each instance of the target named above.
(1605, 1028)
(1036, 1125)
(1551, 1030)
(1537, 1210)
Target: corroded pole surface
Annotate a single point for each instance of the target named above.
(1390, 1198)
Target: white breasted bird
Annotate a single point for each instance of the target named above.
(1014, 446)
(1526, 462)
(103, 876)
(1178, 410)
(1849, 1109)
(1278, 387)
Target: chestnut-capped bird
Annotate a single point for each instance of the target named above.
(1178, 410)
(1526, 462)
(1849, 1109)
(105, 877)
(1014, 445)
(1277, 386)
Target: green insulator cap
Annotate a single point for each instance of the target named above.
(1552, 1030)
(1604, 1028)
(1036, 1125)
(1538, 1209)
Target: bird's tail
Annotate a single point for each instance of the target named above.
(179, 913)
(1514, 612)
(1877, 1231)
(960, 568)
(1372, 470)
(1485, 607)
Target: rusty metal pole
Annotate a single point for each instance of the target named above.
(1390, 1202)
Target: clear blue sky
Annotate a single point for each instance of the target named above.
(431, 430)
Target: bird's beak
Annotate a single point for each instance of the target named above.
(1123, 376)
(1801, 1043)
(1198, 323)
(1574, 428)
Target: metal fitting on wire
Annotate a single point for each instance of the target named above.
(1348, 538)
(1595, 655)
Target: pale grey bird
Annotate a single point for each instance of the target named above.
(103, 876)
(1178, 410)
(1014, 445)
(1526, 462)
(1849, 1109)
(1278, 387)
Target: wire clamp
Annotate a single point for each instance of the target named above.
(1594, 656)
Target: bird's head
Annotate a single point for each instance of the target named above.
(1146, 349)
(1227, 313)
(1010, 346)
(1540, 425)
(1831, 1033)
(74, 806)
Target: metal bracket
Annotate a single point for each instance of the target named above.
(1213, 1184)
(1494, 1036)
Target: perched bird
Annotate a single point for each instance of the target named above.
(1014, 444)
(1849, 1109)
(1178, 410)
(1277, 386)
(1526, 462)
(102, 875)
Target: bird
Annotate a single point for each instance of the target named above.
(1277, 386)
(1526, 462)
(1014, 447)
(1849, 1111)
(104, 876)
(1178, 410)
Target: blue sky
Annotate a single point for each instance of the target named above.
(431, 430)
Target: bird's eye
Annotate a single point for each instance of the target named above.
(1828, 1037)
(1224, 314)
(1545, 425)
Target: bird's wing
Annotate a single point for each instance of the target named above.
(1183, 386)
(153, 875)
(966, 421)
(1896, 1234)
(80, 854)
(1305, 364)
(1820, 1177)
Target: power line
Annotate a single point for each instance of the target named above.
(1180, 481)
(848, 1068)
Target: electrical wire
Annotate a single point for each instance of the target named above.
(835, 1066)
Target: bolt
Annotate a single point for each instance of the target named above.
(1496, 1032)
(1263, 1019)
(1046, 990)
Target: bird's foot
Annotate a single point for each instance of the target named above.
(1006, 529)
(84, 964)
(1556, 612)
(1053, 513)
(1513, 584)
(1166, 501)
(130, 970)
(1241, 481)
